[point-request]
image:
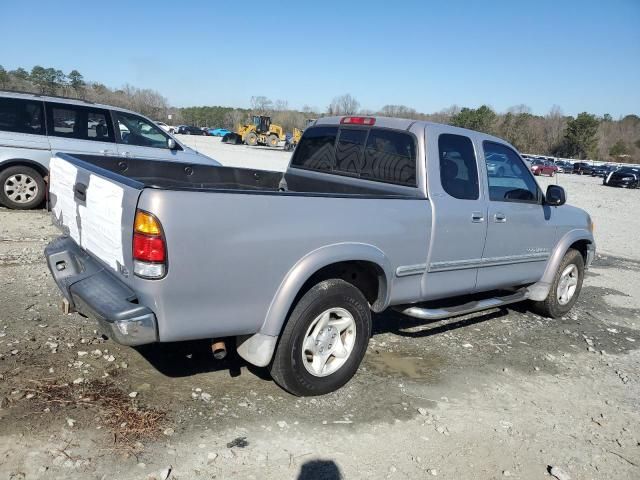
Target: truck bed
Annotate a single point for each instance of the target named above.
(191, 177)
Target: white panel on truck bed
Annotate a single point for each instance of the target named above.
(94, 224)
(101, 221)
(62, 178)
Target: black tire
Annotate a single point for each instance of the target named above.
(551, 306)
(28, 200)
(287, 368)
(251, 139)
(272, 141)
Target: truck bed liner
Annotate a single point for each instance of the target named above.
(196, 177)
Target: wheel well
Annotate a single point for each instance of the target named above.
(582, 246)
(367, 277)
(27, 163)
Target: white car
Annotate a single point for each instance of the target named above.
(166, 128)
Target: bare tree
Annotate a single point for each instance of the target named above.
(234, 118)
(553, 129)
(281, 105)
(343, 105)
(261, 105)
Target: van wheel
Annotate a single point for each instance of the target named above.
(565, 287)
(324, 340)
(21, 188)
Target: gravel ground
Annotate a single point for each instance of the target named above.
(498, 394)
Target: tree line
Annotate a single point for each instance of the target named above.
(585, 136)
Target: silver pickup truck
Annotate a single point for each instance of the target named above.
(372, 213)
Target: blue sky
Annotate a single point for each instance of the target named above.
(581, 55)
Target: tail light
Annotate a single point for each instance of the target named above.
(358, 121)
(149, 246)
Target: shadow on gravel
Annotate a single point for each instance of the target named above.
(184, 359)
(320, 470)
(398, 324)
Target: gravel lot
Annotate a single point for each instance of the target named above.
(503, 393)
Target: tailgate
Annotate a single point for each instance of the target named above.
(96, 208)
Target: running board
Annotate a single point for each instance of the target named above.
(465, 308)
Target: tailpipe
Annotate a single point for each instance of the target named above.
(219, 349)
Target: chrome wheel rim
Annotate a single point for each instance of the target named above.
(328, 342)
(567, 285)
(20, 188)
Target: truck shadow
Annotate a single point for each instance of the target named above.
(390, 321)
(184, 359)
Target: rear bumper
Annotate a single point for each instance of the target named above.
(96, 292)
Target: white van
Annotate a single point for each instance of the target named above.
(33, 127)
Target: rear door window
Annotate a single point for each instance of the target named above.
(458, 167)
(21, 116)
(316, 150)
(82, 123)
(390, 157)
(349, 151)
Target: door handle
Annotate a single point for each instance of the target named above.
(126, 154)
(106, 152)
(80, 191)
(477, 217)
(500, 218)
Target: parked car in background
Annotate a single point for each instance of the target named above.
(218, 132)
(190, 130)
(603, 170)
(416, 226)
(628, 177)
(582, 168)
(166, 128)
(543, 167)
(498, 165)
(33, 127)
(564, 167)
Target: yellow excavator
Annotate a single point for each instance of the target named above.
(260, 132)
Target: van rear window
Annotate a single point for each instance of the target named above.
(21, 116)
(376, 154)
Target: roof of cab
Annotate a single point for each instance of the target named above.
(59, 99)
(406, 124)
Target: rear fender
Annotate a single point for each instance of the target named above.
(310, 264)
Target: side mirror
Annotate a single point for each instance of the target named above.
(555, 196)
(171, 144)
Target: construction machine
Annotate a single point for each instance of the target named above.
(292, 141)
(260, 132)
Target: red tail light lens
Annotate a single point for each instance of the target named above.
(147, 248)
(358, 121)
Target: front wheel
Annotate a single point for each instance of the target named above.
(21, 188)
(565, 287)
(324, 340)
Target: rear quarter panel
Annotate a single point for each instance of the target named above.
(229, 253)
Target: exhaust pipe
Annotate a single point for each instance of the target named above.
(219, 349)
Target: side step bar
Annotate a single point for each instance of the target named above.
(465, 308)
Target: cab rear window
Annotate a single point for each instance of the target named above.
(375, 154)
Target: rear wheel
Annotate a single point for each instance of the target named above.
(273, 141)
(565, 287)
(251, 139)
(21, 188)
(324, 340)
